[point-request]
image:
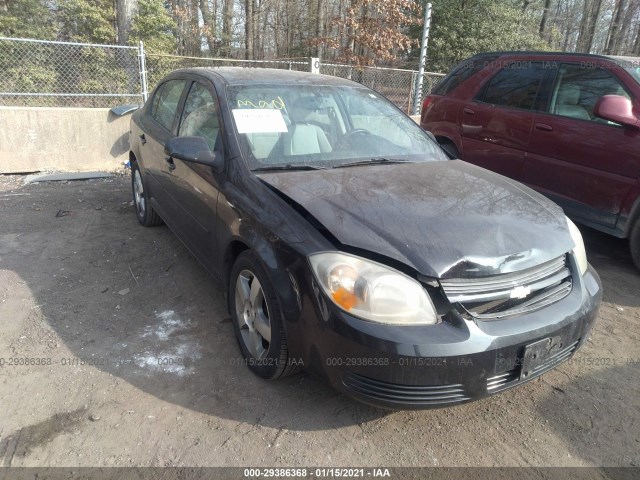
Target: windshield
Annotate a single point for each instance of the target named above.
(316, 126)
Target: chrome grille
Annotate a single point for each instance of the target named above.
(510, 293)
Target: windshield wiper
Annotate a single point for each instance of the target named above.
(371, 161)
(287, 167)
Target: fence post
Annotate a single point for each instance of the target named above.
(143, 71)
(412, 92)
(417, 96)
(314, 65)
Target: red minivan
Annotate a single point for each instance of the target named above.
(567, 125)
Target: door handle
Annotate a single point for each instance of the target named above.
(143, 140)
(468, 111)
(169, 160)
(544, 127)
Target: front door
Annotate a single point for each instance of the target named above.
(194, 188)
(586, 164)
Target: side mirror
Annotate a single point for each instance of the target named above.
(195, 150)
(617, 108)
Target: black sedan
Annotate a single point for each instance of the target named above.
(349, 245)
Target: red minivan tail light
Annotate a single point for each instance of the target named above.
(427, 101)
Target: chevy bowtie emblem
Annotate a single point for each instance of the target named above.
(520, 292)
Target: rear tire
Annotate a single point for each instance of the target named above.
(257, 319)
(634, 243)
(147, 216)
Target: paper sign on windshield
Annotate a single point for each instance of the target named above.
(259, 120)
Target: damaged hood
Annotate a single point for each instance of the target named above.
(444, 219)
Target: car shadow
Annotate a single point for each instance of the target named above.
(594, 421)
(132, 302)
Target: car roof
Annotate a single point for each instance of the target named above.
(262, 76)
(531, 53)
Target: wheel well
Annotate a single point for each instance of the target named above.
(234, 249)
(448, 146)
(634, 216)
(443, 139)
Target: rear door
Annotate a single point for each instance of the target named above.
(496, 124)
(158, 127)
(586, 164)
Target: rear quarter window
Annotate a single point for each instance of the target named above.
(461, 73)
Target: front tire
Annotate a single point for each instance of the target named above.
(634, 242)
(257, 319)
(146, 214)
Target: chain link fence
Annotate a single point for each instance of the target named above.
(38, 73)
(396, 84)
(160, 65)
(61, 74)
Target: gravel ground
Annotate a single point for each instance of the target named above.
(132, 362)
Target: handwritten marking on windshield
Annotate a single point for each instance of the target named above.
(277, 103)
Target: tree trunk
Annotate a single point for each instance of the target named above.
(248, 29)
(227, 25)
(209, 12)
(256, 30)
(613, 38)
(588, 25)
(626, 31)
(318, 26)
(545, 16)
(125, 11)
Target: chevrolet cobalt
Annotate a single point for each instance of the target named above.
(349, 245)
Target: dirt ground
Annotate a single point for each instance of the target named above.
(131, 361)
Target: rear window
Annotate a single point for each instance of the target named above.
(460, 74)
(515, 86)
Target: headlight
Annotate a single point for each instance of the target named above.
(372, 291)
(578, 250)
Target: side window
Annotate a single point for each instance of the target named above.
(165, 102)
(578, 89)
(515, 86)
(200, 115)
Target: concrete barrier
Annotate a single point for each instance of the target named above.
(34, 139)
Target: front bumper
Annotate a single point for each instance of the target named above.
(452, 362)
